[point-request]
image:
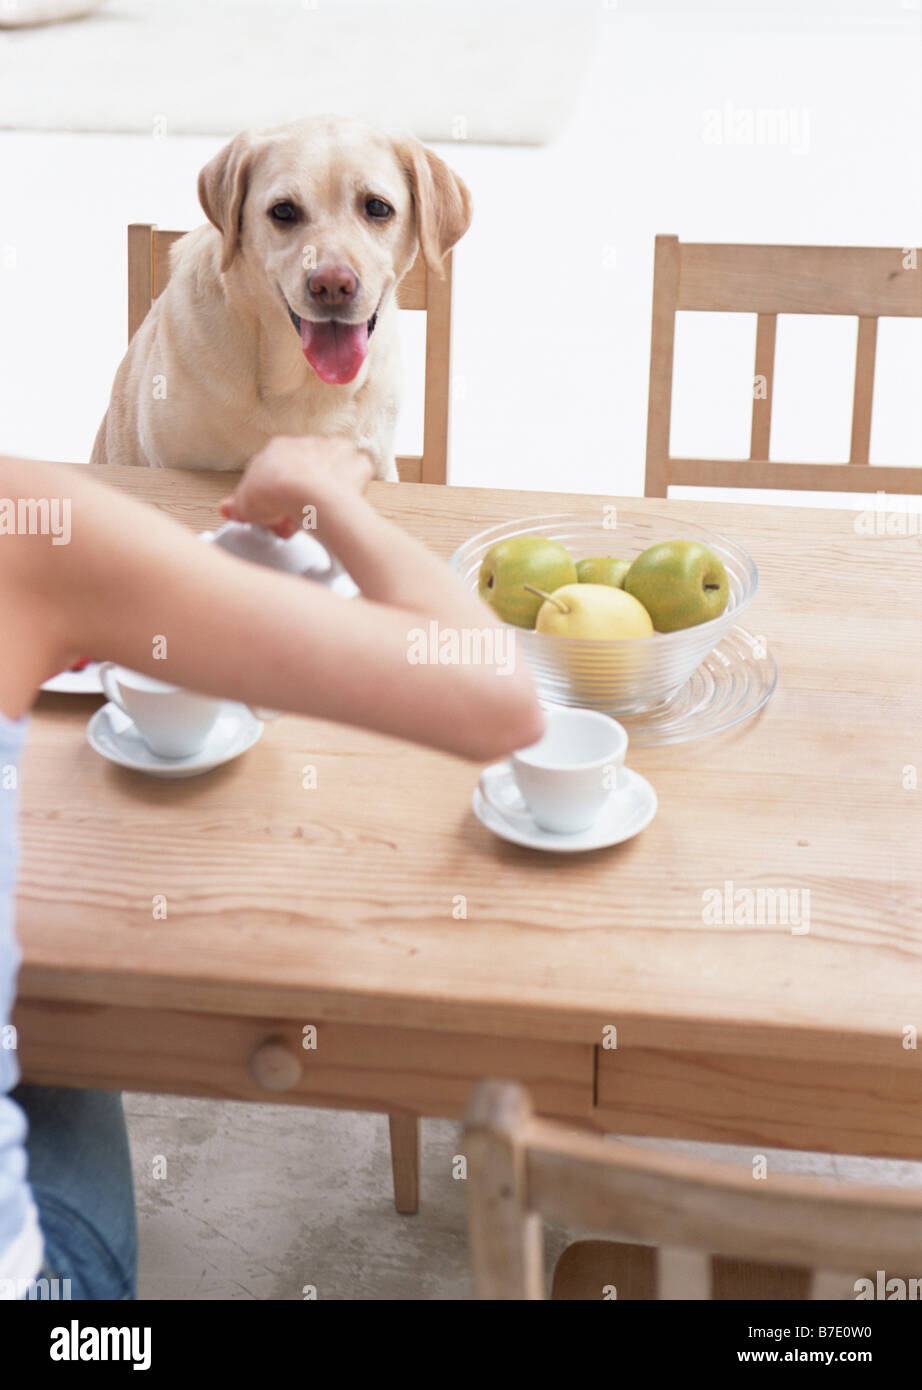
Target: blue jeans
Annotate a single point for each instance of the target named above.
(80, 1174)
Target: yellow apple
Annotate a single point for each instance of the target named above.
(593, 611)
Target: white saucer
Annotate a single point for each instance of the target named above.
(85, 682)
(628, 811)
(113, 735)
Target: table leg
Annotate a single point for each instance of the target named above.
(405, 1152)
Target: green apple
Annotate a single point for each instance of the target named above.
(680, 583)
(593, 610)
(602, 569)
(512, 564)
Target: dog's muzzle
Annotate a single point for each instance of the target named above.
(297, 322)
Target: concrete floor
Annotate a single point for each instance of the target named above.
(259, 1201)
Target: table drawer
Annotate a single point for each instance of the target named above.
(347, 1066)
(843, 1107)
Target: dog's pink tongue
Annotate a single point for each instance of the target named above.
(336, 351)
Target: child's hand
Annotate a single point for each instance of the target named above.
(290, 474)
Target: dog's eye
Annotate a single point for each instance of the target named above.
(379, 209)
(283, 212)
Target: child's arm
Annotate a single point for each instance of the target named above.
(130, 576)
(389, 566)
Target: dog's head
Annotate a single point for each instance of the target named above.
(329, 214)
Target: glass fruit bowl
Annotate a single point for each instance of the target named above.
(625, 677)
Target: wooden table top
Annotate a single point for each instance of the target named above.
(340, 902)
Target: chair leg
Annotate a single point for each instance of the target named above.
(405, 1147)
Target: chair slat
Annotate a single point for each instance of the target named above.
(409, 469)
(809, 477)
(162, 245)
(673, 1200)
(860, 280)
(438, 377)
(662, 348)
(683, 1275)
(760, 438)
(864, 391)
(755, 1282)
(140, 277)
(413, 290)
(831, 1285)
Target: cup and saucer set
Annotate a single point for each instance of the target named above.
(165, 731)
(568, 792)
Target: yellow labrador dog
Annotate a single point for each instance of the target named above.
(281, 317)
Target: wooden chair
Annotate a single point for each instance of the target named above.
(149, 271)
(867, 282)
(778, 1237)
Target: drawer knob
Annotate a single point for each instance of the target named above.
(274, 1066)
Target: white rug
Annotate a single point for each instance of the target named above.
(494, 71)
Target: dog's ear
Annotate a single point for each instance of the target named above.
(222, 187)
(441, 200)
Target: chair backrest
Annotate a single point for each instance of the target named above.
(865, 282)
(420, 289)
(521, 1169)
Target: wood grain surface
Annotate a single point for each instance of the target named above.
(340, 903)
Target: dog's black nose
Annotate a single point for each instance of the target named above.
(332, 285)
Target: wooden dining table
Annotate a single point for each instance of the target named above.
(325, 922)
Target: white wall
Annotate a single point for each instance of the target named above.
(553, 283)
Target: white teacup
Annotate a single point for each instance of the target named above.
(567, 776)
(173, 722)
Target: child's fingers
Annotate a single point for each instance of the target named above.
(283, 526)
